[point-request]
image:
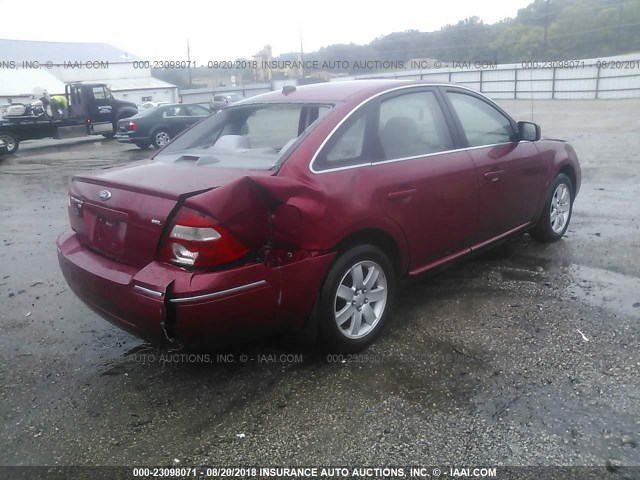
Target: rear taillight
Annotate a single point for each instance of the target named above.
(133, 125)
(195, 240)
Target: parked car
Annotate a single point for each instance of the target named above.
(3, 147)
(221, 101)
(157, 126)
(302, 209)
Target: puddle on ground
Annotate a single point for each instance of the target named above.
(522, 275)
(606, 289)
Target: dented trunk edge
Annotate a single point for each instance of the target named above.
(266, 211)
(167, 305)
(269, 215)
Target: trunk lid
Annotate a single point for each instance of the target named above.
(123, 125)
(121, 213)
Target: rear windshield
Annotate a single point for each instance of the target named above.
(246, 136)
(149, 111)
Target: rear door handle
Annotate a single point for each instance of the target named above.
(493, 175)
(402, 194)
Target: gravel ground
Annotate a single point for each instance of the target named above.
(525, 355)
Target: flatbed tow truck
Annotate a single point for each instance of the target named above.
(92, 110)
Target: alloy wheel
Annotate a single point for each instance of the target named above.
(360, 299)
(560, 207)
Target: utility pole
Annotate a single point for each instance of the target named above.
(546, 29)
(189, 63)
(619, 30)
(301, 72)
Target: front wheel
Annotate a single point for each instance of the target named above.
(160, 138)
(557, 210)
(356, 297)
(11, 141)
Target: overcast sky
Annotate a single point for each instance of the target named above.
(158, 30)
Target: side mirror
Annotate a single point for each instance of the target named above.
(529, 131)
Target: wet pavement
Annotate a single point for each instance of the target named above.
(527, 354)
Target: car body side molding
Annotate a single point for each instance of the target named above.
(468, 250)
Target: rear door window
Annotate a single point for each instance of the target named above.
(175, 111)
(412, 124)
(347, 147)
(349, 144)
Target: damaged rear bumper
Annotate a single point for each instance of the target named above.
(165, 304)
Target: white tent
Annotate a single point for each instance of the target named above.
(19, 85)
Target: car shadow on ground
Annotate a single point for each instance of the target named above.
(413, 342)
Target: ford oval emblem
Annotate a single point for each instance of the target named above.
(104, 195)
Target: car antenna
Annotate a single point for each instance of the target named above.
(532, 107)
(287, 89)
(531, 80)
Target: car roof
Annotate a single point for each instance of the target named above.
(338, 91)
(158, 108)
(169, 105)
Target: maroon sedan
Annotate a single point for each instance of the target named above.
(301, 209)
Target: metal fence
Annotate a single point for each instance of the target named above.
(610, 77)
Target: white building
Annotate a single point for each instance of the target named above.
(27, 68)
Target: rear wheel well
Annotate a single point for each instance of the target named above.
(372, 236)
(378, 238)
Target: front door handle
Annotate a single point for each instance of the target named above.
(494, 175)
(402, 194)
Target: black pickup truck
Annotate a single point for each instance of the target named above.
(91, 110)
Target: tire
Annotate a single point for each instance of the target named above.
(160, 138)
(556, 213)
(108, 136)
(11, 141)
(142, 145)
(350, 315)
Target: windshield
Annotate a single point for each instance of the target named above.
(251, 136)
